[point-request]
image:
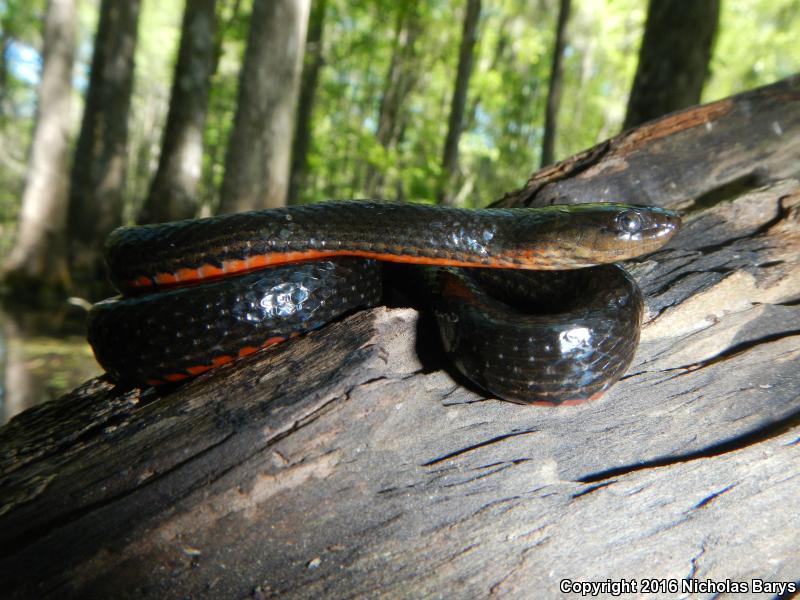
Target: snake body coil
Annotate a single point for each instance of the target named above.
(201, 293)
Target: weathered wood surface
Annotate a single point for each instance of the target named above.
(341, 465)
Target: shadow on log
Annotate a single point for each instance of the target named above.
(337, 465)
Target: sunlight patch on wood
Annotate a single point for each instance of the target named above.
(737, 292)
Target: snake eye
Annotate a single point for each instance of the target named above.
(629, 222)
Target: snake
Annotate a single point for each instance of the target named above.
(529, 303)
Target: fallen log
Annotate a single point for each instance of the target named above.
(350, 463)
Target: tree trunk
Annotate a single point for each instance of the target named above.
(37, 263)
(554, 91)
(343, 463)
(173, 194)
(459, 102)
(257, 163)
(98, 169)
(400, 80)
(305, 105)
(673, 61)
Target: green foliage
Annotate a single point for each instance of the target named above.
(504, 93)
(508, 91)
(758, 42)
(232, 29)
(604, 40)
(357, 51)
(501, 142)
(21, 19)
(156, 53)
(20, 35)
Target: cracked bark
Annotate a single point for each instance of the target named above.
(341, 464)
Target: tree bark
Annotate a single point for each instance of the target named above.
(305, 106)
(173, 193)
(257, 162)
(37, 264)
(458, 104)
(400, 80)
(98, 169)
(346, 463)
(554, 91)
(673, 60)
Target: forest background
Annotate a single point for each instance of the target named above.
(453, 101)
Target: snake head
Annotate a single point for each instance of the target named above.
(642, 224)
(582, 235)
(628, 231)
(615, 232)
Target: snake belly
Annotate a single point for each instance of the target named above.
(205, 292)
